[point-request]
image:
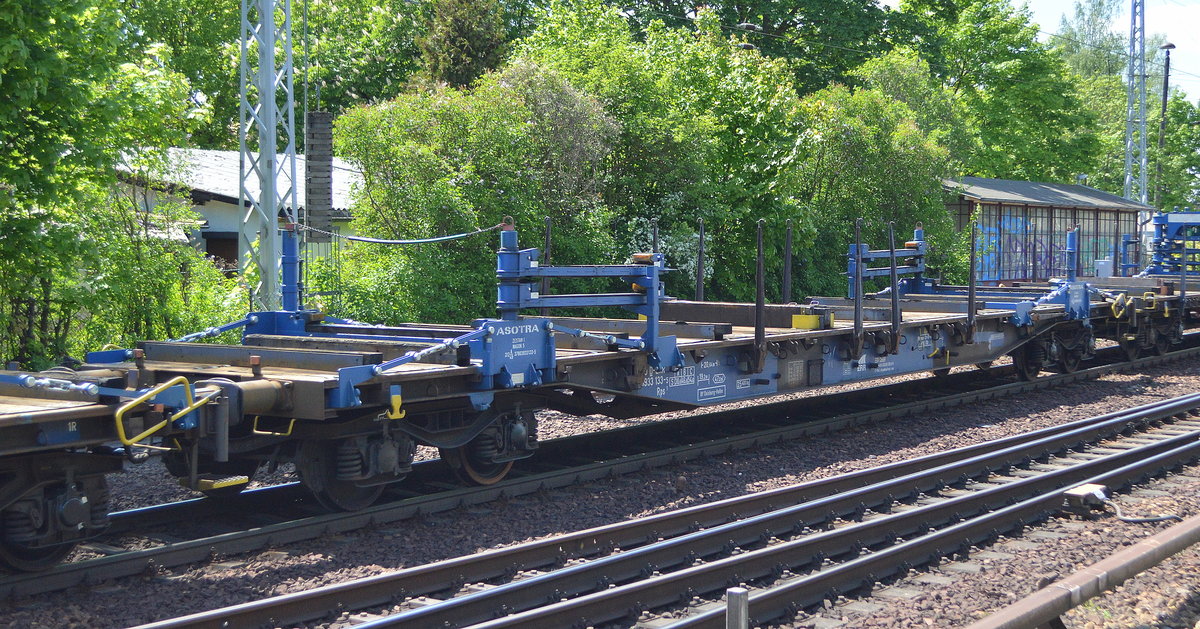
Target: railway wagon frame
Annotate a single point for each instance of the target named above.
(348, 403)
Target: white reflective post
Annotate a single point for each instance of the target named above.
(737, 608)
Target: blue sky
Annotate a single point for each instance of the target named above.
(1179, 20)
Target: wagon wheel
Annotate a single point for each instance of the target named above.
(1162, 343)
(1068, 360)
(941, 372)
(1028, 360)
(1132, 347)
(23, 558)
(317, 465)
(472, 462)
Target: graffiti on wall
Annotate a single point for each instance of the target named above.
(1016, 248)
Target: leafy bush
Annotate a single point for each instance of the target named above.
(523, 143)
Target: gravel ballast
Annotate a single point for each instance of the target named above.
(333, 559)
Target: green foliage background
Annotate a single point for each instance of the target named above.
(606, 117)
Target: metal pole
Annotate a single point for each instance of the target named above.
(545, 288)
(787, 264)
(654, 234)
(700, 264)
(858, 289)
(894, 344)
(760, 307)
(1072, 253)
(1162, 122)
(971, 280)
(1183, 272)
(737, 608)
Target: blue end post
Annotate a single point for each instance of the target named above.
(1126, 242)
(1072, 253)
(508, 293)
(290, 284)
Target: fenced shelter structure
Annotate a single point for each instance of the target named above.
(1022, 227)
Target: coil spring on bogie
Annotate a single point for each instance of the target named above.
(349, 462)
(485, 448)
(1035, 354)
(18, 526)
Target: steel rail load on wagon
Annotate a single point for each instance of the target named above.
(348, 403)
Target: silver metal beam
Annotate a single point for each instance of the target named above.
(268, 175)
(1135, 106)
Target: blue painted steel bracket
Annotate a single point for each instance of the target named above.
(280, 322)
(1170, 250)
(109, 356)
(514, 353)
(910, 265)
(345, 395)
(516, 269)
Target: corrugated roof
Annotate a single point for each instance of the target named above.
(1042, 194)
(217, 172)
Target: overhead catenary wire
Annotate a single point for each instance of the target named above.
(411, 241)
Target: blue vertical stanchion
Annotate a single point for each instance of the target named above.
(290, 263)
(1072, 253)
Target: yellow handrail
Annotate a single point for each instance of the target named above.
(192, 404)
(1120, 306)
(255, 429)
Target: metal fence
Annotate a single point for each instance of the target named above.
(1028, 243)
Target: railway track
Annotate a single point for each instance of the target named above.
(796, 546)
(561, 463)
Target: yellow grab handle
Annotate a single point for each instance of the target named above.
(130, 405)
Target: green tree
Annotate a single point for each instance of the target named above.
(465, 39)
(359, 51)
(821, 39)
(863, 155)
(202, 44)
(1087, 41)
(523, 143)
(51, 53)
(1180, 159)
(345, 52)
(1017, 94)
(81, 264)
(707, 128)
(903, 75)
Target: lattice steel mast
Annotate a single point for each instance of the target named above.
(266, 107)
(1135, 106)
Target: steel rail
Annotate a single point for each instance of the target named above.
(832, 495)
(864, 572)
(609, 604)
(199, 550)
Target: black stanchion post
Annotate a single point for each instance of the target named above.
(545, 287)
(787, 264)
(760, 307)
(894, 341)
(971, 289)
(858, 290)
(700, 264)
